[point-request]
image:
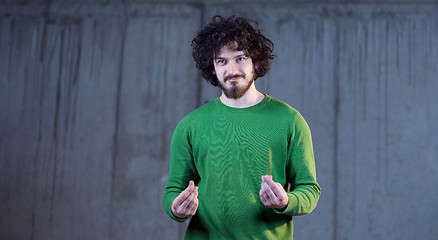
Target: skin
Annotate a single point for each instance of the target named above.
(230, 66)
(272, 194)
(230, 62)
(186, 204)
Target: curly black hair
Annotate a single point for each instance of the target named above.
(220, 32)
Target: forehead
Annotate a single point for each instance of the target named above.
(229, 50)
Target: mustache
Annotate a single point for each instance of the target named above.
(226, 78)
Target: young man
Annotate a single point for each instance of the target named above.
(241, 165)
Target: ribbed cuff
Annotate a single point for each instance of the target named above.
(291, 206)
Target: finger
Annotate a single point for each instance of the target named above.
(266, 177)
(192, 203)
(191, 199)
(275, 187)
(267, 194)
(270, 202)
(184, 194)
(263, 198)
(265, 189)
(192, 210)
(270, 195)
(265, 180)
(269, 181)
(268, 190)
(194, 206)
(183, 209)
(185, 205)
(278, 190)
(262, 191)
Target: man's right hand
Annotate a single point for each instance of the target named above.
(186, 204)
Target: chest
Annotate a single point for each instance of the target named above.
(240, 145)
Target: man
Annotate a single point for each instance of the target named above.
(241, 165)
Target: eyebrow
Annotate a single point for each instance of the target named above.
(237, 56)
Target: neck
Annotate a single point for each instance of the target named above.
(251, 98)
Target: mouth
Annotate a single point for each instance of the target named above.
(234, 78)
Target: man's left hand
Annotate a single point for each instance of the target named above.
(273, 194)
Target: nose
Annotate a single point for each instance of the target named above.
(232, 68)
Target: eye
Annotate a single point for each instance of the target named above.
(221, 62)
(240, 59)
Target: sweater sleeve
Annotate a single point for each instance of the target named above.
(181, 167)
(305, 191)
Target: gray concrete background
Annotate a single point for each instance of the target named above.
(90, 92)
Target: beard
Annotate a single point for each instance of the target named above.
(235, 91)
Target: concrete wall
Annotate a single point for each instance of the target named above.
(90, 92)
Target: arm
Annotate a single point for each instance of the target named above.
(181, 171)
(301, 174)
(305, 190)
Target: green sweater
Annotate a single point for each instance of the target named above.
(225, 151)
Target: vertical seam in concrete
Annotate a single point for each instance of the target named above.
(201, 7)
(385, 105)
(199, 78)
(36, 175)
(115, 147)
(55, 126)
(335, 134)
(36, 158)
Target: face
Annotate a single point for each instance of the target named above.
(234, 70)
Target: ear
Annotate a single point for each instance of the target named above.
(214, 72)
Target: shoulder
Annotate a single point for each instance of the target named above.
(284, 111)
(199, 114)
(281, 108)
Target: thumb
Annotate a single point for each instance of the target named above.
(267, 178)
